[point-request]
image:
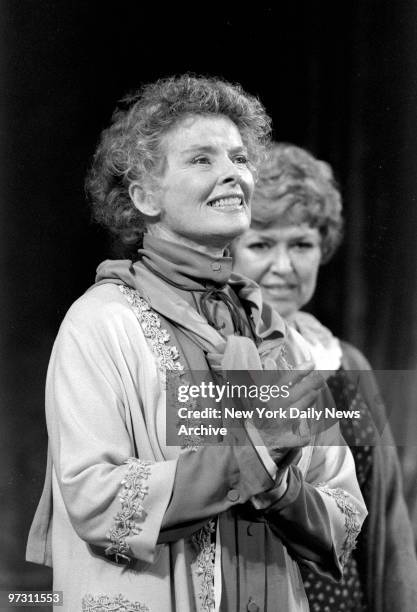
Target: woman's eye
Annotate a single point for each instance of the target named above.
(201, 159)
(259, 246)
(241, 159)
(303, 245)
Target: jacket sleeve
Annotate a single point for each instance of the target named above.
(320, 514)
(390, 551)
(209, 481)
(396, 567)
(116, 496)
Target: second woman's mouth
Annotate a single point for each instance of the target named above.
(280, 290)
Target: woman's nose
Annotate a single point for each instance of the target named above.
(228, 172)
(281, 261)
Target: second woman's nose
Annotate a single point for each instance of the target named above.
(281, 262)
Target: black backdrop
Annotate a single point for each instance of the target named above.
(337, 77)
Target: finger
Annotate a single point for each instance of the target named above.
(313, 382)
(306, 365)
(289, 438)
(292, 377)
(307, 401)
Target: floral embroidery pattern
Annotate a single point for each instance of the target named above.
(352, 525)
(103, 603)
(189, 441)
(167, 356)
(205, 564)
(126, 522)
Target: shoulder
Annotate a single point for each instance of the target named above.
(354, 361)
(324, 346)
(97, 302)
(312, 329)
(101, 305)
(102, 315)
(298, 346)
(353, 358)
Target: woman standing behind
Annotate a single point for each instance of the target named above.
(296, 227)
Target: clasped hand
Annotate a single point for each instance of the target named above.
(284, 427)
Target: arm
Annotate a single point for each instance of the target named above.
(318, 516)
(210, 481)
(397, 569)
(318, 512)
(114, 500)
(391, 557)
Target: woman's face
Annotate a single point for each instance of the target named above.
(284, 261)
(204, 193)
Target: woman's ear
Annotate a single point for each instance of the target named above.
(145, 200)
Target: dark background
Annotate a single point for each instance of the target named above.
(339, 78)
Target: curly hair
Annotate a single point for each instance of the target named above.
(130, 148)
(295, 187)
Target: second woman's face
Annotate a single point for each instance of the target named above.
(284, 261)
(205, 190)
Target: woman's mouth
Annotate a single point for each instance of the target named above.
(280, 291)
(228, 203)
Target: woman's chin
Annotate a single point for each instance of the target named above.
(230, 231)
(285, 308)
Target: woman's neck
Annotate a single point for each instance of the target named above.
(183, 264)
(159, 231)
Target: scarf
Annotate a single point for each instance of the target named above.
(161, 262)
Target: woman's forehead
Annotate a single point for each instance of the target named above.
(282, 230)
(201, 131)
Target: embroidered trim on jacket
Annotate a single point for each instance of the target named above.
(103, 603)
(205, 564)
(150, 322)
(167, 356)
(126, 522)
(189, 441)
(352, 525)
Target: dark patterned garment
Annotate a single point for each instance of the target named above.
(349, 595)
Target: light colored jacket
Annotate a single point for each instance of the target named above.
(113, 475)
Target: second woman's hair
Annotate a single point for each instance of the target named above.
(294, 187)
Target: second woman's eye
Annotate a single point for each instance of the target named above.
(303, 245)
(259, 246)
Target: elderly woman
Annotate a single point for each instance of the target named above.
(127, 521)
(296, 226)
